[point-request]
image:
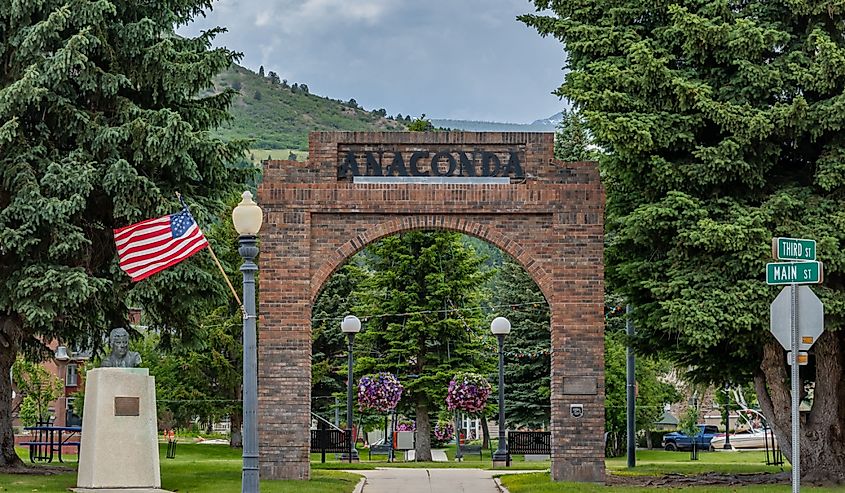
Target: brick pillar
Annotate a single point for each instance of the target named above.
(577, 332)
(284, 342)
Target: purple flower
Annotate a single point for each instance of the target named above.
(443, 431)
(380, 392)
(467, 392)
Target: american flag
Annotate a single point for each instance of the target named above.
(153, 245)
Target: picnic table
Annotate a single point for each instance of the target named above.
(47, 439)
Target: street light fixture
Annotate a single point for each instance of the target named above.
(350, 326)
(61, 354)
(500, 327)
(247, 218)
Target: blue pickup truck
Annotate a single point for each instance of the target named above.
(679, 441)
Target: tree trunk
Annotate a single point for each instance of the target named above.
(235, 436)
(10, 340)
(485, 433)
(823, 427)
(423, 445)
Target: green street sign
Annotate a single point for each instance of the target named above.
(793, 249)
(794, 273)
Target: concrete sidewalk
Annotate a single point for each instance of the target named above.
(437, 455)
(405, 480)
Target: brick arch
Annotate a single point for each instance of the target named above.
(548, 215)
(416, 223)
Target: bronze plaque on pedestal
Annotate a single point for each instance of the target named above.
(126, 406)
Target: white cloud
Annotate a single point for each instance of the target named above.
(263, 19)
(467, 59)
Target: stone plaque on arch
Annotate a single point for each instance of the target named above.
(505, 188)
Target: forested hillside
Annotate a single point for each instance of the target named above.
(278, 114)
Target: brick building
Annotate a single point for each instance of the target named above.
(505, 188)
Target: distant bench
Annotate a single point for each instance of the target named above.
(383, 449)
(471, 449)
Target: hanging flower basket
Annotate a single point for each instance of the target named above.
(467, 392)
(380, 392)
(444, 431)
(406, 426)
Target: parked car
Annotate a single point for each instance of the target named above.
(747, 439)
(680, 441)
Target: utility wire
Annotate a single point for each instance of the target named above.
(425, 312)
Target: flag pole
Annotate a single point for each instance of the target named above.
(219, 265)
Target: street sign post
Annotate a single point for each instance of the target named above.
(797, 318)
(779, 273)
(810, 318)
(793, 249)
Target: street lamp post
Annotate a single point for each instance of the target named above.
(459, 455)
(727, 445)
(500, 327)
(350, 326)
(247, 218)
(62, 359)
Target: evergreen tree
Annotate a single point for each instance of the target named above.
(100, 124)
(274, 78)
(261, 71)
(421, 124)
(527, 347)
(722, 123)
(328, 343)
(411, 328)
(572, 139)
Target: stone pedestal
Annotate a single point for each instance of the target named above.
(119, 446)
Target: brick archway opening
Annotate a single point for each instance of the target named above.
(504, 188)
(390, 227)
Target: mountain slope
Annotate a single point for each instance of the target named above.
(277, 116)
(545, 125)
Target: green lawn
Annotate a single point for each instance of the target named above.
(539, 482)
(660, 462)
(217, 468)
(196, 469)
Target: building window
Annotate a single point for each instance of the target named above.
(71, 378)
(71, 418)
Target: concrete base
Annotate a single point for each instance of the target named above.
(119, 445)
(537, 457)
(500, 463)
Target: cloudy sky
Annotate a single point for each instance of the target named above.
(460, 59)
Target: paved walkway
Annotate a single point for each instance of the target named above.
(404, 480)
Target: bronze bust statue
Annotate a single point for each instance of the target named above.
(120, 356)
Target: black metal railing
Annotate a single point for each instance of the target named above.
(776, 458)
